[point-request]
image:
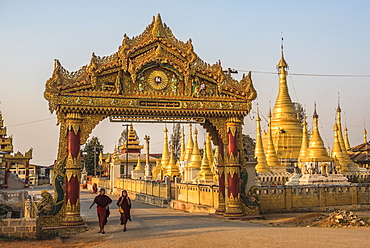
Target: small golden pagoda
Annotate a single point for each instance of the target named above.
(304, 146)
(195, 159)
(350, 165)
(138, 167)
(172, 170)
(133, 142)
(189, 146)
(337, 153)
(165, 154)
(316, 151)
(285, 126)
(271, 157)
(346, 139)
(205, 174)
(259, 153)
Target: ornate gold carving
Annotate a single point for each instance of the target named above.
(73, 167)
(158, 80)
(232, 160)
(233, 170)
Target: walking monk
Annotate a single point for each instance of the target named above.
(102, 201)
(124, 204)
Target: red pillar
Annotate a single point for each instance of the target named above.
(6, 174)
(73, 174)
(221, 179)
(27, 175)
(233, 207)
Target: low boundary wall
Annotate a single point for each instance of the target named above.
(204, 198)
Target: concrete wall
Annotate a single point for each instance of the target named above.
(314, 198)
(152, 188)
(23, 228)
(14, 199)
(204, 198)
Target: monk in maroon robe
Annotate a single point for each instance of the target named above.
(124, 203)
(102, 201)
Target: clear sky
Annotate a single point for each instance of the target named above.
(320, 37)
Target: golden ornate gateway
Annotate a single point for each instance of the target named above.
(151, 76)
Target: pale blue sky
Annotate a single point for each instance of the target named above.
(321, 37)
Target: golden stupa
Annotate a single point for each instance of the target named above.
(286, 129)
(316, 151)
(259, 152)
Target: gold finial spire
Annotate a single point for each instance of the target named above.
(138, 166)
(182, 154)
(316, 151)
(195, 159)
(304, 146)
(365, 134)
(208, 146)
(337, 153)
(340, 136)
(165, 153)
(346, 138)
(259, 153)
(189, 146)
(271, 157)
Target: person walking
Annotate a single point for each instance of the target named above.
(102, 201)
(124, 204)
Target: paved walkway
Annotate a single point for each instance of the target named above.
(159, 227)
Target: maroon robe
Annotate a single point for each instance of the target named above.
(125, 204)
(102, 201)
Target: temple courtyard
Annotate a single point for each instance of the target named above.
(160, 227)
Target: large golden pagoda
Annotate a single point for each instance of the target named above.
(285, 126)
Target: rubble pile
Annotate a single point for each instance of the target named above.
(342, 218)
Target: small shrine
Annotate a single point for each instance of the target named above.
(13, 162)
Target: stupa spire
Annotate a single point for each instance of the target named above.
(346, 138)
(271, 157)
(365, 134)
(172, 168)
(208, 147)
(138, 166)
(182, 154)
(205, 174)
(316, 151)
(190, 144)
(285, 125)
(337, 153)
(304, 146)
(165, 153)
(195, 159)
(340, 135)
(259, 152)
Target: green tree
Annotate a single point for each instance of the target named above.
(92, 146)
(301, 113)
(175, 140)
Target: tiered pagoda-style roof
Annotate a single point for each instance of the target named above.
(361, 153)
(6, 143)
(133, 142)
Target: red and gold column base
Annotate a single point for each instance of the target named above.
(72, 216)
(221, 205)
(72, 219)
